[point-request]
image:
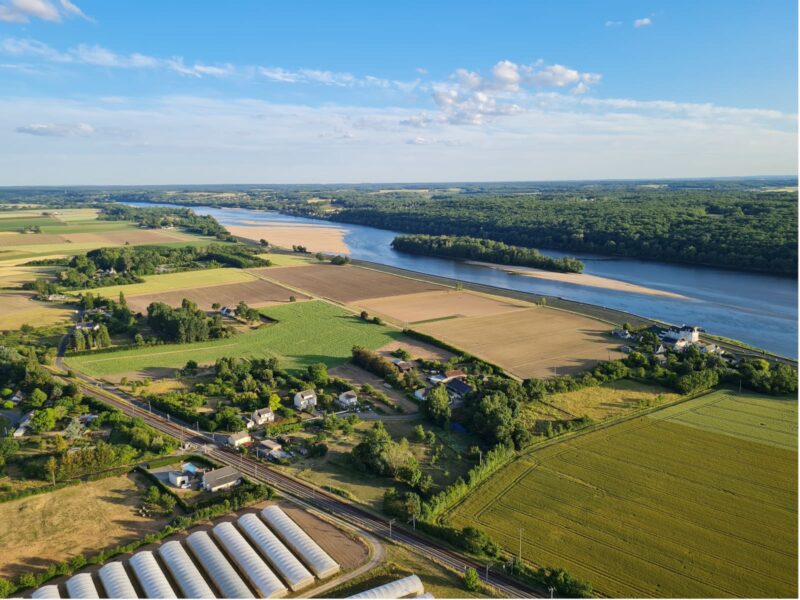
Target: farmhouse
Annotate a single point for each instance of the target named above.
(87, 326)
(457, 389)
(248, 422)
(227, 312)
(305, 399)
(263, 415)
(221, 479)
(55, 297)
(688, 333)
(447, 376)
(238, 438)
(348, 399)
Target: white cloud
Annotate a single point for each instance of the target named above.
(642, 22)
(613, 23)
(22, 11)
(557, 136)
(470, 98)
(99, 56)
(57, 130)
(421, 70)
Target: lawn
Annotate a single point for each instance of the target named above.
(305, 333)
(81, 518)
(697, 500)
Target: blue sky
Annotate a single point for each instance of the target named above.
(207, 92)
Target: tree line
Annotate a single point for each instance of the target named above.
(464, 247)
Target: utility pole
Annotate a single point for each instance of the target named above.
(480, 456)
(552, 589)
(390, 527)
(487, 573)
(520, 544)
(149, 408)
(414, 522)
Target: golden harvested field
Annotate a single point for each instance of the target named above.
(425, 306)
(85, 517)
(417, 349)
(316, 238)
(256, 293)
(11, 239)
(534, 342)
(349, 284)
(17, 308)
(129, 236)
(13, 276)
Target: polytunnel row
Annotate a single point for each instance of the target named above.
(249, 551)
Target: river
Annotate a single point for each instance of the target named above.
(757, 309)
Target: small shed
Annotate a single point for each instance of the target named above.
(179, 479)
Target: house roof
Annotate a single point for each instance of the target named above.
(307, 394)
(260, 412)
(459, 387)
(221, 476)
(348, 394)
(455, 373)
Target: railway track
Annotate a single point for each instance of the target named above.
(305, 494)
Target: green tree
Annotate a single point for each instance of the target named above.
(274, 402)
(471, 580)
(37, 398)
(318, 374)
(437, 405)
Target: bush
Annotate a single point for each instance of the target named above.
(471, 580)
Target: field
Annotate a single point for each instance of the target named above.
(20, 307)
(683, 502)
(305, 333)
(255, 293)
(611, 399)
(82, 518)
(316, 238)
(426, 306)
(534, 342)
(169, 282)
(348, 284)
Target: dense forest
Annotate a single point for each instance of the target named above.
(483, 250)
(752, 231)
(737, 223)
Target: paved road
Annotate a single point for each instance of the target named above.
(337, 508)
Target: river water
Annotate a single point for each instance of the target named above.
(757, 309)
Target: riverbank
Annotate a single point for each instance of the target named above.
(580, 279)
(315, 238)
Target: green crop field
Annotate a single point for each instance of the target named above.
(305, 333)
(169, 282)
(697, 500)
